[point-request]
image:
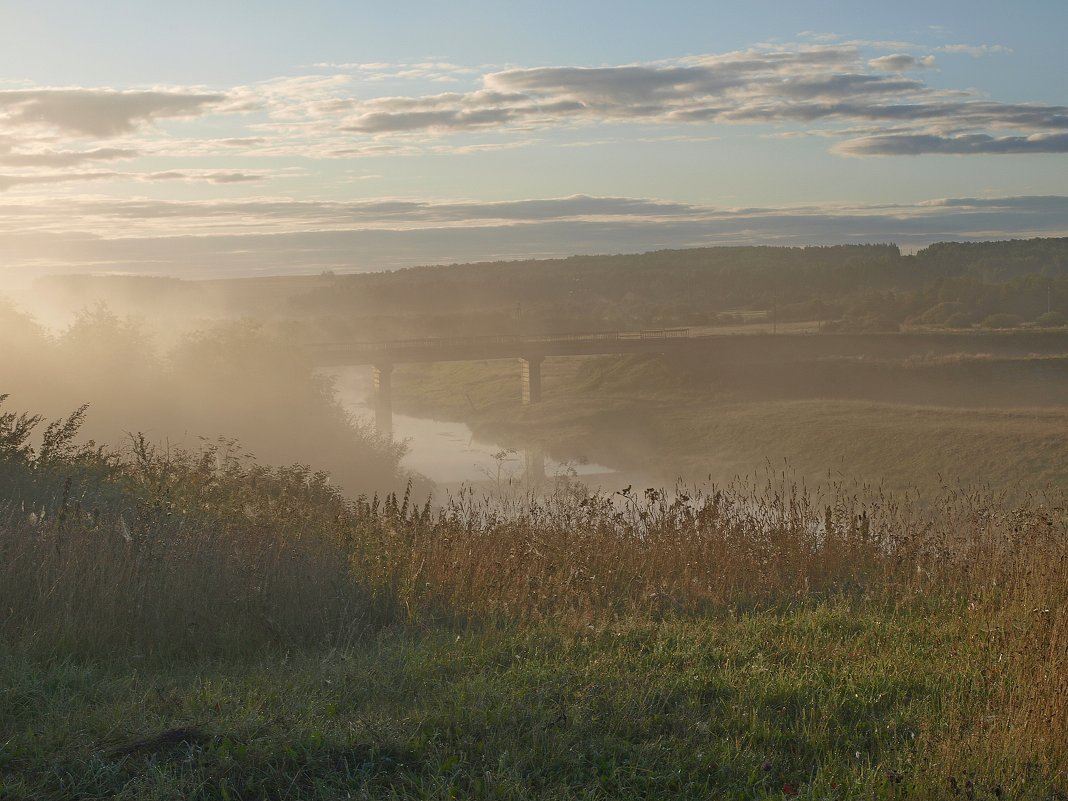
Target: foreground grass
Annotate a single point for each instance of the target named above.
(828, 701)
(196, 625)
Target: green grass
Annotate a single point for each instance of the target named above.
(835, 700)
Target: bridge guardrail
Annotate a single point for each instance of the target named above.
(505, 339)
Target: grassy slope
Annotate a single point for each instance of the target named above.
(735, 707)
(634, 414)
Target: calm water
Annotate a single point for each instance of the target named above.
(449, 452)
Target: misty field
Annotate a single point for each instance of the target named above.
(182, 624)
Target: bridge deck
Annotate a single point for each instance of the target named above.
(761, 347)
(498, 346)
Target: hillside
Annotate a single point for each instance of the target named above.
(960, 284)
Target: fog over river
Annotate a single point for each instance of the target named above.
(449, 452)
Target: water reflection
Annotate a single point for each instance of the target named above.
(448, 452)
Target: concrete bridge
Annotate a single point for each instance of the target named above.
(708, 345)
(530, 350)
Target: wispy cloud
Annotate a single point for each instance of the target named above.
(435, 71)
(269, 236)
(65, 158)
(99, 113)
(832, 89)
(9, 181)
(900, 62)
(826, 84)
(260, 224)
(975, 51)
(210, 176)
(964, 145)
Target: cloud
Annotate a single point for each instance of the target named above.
(1037, 206)
(66, 158)
(829, 84)
(211, 176)
(970, 144)
(211, 239)
(100, 113)
(240, 141)
(974, 114)
(238, 216)
(147, 218)
(437, 71)
(9, 181)
(1025, 202)
(817, 36)
(900, 62)
(451, 119)
(976, 51)
(870, 97)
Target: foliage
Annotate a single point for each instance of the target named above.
(232, 380)
(1002, 320)
(1052, 319)
(169, 552)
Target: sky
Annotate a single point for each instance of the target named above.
(234, 138)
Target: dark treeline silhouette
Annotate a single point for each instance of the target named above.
(855, 287)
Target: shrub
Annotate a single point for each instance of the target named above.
(1052, 319)
(1002, 320)
(869, 323)
(960, 320)
(170, 553)
(939, 313)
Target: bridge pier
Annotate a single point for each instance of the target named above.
(530, 367)
(535, 466)
(383, 380)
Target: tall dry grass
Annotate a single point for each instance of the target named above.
(180, 553)
(997, 572)
(170, 553)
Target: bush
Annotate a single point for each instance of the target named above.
(1052, 319)
(232, 380)
(173, 553)
(960, 320)
(1002, 320)
(868, 324)
(938, 314)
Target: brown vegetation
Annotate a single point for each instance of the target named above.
(174, 554)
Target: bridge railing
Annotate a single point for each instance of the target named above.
(503, 339)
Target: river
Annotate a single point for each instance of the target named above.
(449, 453)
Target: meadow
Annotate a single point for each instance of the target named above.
(193, 624)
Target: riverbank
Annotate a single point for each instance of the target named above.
(969, 422)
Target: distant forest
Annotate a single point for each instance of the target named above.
(845, 287)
